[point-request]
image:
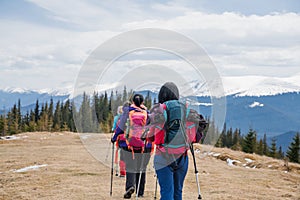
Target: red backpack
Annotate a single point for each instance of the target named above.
(137, 120)
(191, 128)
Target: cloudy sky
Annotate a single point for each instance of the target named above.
(44, 43)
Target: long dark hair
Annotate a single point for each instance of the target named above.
(138, 99)
(167, 92)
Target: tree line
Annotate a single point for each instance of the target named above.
(249, 143)
(95, 113)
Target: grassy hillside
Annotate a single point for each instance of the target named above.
(61, 167)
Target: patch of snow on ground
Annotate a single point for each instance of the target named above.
(84, 137)
(33, 167)
(248, 160)
(256, 104)
(11, 137)
(231, 162)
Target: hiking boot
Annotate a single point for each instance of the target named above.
(128, 193)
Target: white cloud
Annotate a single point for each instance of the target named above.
(239, 45)
(235, 41)
(93, 15)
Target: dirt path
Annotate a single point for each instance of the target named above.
(66, 169)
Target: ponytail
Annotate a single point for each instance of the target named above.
(138, 99)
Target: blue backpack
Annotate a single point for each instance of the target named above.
(175, 139)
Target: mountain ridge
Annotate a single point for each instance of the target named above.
(271, 114)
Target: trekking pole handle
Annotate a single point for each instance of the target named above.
(196, 170)
(194, 159)
(143, 137)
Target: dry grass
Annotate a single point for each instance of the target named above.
(73, 173)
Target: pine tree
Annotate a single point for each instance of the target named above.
(50, 115)
(260, 147)
(12, 121)
(105, 107)
(32, 125)
(57, 117)
(229, 140)
(293, 150)
(73, 112)
(15, 120)
(273, 149)
(148, 100)
(36, 112)
(19, 115)
(280, 153)
(111, 101)
(237, 140)
(67, 116)
(222, 141)
(43, 121)
(96, 107)
(249, 142)
(265, 145)
(1, 125)
(87, 124)
(25, 122)
(125, 97)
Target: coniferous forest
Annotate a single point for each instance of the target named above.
(95, 114)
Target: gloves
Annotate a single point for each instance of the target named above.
(202, 123)
(112, 140)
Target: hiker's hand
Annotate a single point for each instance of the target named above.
(202, 125)
(112, 140)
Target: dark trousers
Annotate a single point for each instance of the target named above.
(135, 164)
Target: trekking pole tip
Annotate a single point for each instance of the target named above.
(199, 197)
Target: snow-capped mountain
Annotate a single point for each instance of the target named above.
(67, 90)
(271, 86)
(267, 107)
(251, 100)
(10, 96)
(250, 86)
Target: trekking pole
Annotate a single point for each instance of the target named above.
(106, 156)
(196, 171)
(112, 168)
(155, 187)
(116, 160)
(140, 176)
(142, 163)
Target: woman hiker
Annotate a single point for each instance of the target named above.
(136, 153)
